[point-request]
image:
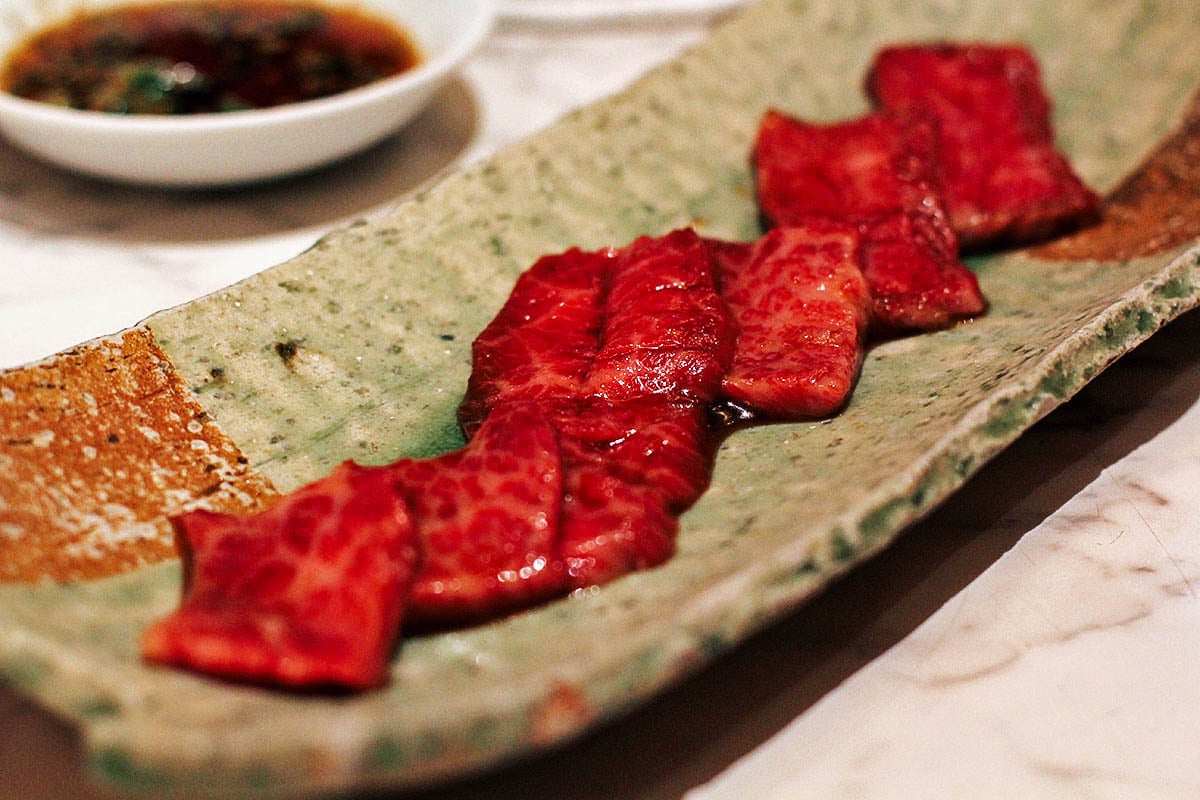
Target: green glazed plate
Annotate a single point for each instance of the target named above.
(359, 349)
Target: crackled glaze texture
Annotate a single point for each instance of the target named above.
(359, 349)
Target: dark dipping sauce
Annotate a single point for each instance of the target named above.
(201, 56)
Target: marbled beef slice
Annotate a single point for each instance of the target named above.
(308, 593)
(878, 172)
(801, 309)
(1004, 179)
(486, 520)
(541, 344)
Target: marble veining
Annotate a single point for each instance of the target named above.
(1066, 669)
(1053, 651)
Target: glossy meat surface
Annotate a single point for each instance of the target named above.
(307, 593)
(801, 308)
(878, 172)
(665, 329)
(625, 389)
(1003, 178)
(541, 345)
(486, 519)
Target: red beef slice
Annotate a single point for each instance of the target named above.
(487, 520)
(542, 343)
(801, 309)
(878, 172)
(307, 593)
(625, 389)
(666, 332)
(1003, 179)
(635, 447)
(631, 468)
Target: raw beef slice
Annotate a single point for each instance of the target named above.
(486, 520)
(665, 332)
(635, 447)
(620, 349)
(801, 308)
(542, 343)
(1003, 178)
(878, 172)
(307, 593)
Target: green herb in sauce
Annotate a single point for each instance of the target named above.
(201, 56)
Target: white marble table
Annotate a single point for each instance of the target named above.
(1039, 636)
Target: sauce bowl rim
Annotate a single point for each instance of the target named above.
(429, 68)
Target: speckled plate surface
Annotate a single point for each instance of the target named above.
(359, 349)
(560, 11)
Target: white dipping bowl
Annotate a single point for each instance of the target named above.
(208, 150)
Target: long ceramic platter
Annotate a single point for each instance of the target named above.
(359, 349)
